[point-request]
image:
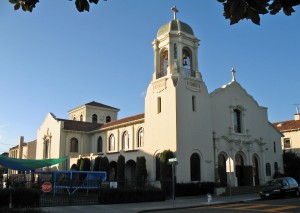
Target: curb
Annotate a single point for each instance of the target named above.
(201, 205)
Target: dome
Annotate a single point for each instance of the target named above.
(175, 25)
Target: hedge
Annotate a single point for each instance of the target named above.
(21, 197)
(114, 196)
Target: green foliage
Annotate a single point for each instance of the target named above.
(78, 163)
(104, 164)
(291, 162)
(114, 196)
(84, 164)
(193, 189)
(87, 164)
(28, 5)
(74, 167)
(97, 164)
(141, 170)
(237, 10)
(31, 198)
(165, 168)
(23, 210)
(121, 168)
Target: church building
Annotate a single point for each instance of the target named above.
(206, 131)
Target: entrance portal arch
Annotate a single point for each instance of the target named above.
(239, 169)
(222, 169)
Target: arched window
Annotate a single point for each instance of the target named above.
(74, 145)
(195, 167)
(125, 140)
(187, 62)
(140, 137)
(81, 117)
(276, 167)
(108, 119)
(268, 169)
(99, 144)
(74, 118)
(239, 161)
(164, 63)
(111, 143)
(94, 118)
(47, 148)
(237, 121)
(222, 169)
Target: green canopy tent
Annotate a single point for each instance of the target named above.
(27, 164)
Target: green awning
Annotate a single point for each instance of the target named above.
(27, 164)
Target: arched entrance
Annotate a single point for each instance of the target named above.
(222, 169)
(130, 168)
(239, 169)
(195, 167)
(255, 169)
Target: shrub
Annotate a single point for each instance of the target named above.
(192, 189)
(121, 169)
(114, 196)
(141, 171)
(26, 210)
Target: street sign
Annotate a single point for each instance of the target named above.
(47, 187)
(172, 159)
(229, 165)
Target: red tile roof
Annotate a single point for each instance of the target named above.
(124, 120)
(80, 125)
(87, 126)
(285, 126)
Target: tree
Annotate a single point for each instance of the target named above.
(237, 10)
(165, 168)
(141, 170)
(291, 162)
(104, 164)
(166, 171)
(121, 168)
(97, 163)
(28, 5)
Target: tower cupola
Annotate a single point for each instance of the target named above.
(176, 51)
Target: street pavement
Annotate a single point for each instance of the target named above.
(180, 202)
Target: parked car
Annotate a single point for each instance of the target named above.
(280, 187)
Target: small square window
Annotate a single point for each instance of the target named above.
(286, 143)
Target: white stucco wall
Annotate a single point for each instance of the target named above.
(50, 127)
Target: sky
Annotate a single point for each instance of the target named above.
(56, 58)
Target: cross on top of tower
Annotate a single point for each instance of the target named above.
(175, 11)
(233, 74)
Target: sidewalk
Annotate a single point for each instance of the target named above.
(181, 202)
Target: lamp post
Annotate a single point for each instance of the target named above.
(173, 162)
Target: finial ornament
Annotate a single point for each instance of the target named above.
(233, 74)
(175, 11)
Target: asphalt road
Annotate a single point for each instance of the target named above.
(286, 205)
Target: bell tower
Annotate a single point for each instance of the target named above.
(177, 104)
(175, 51)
